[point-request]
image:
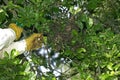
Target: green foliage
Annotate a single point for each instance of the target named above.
(89, 36)
(12, 68)
(3, 15)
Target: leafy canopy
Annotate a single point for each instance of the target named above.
(85, 31)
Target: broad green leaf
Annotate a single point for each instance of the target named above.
(14, 53)
(110, 66)
(90, 22)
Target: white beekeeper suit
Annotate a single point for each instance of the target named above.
(7, 36)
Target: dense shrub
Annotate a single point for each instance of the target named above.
(85, 31)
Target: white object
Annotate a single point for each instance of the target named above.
(7, 36)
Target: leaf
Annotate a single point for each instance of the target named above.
(53, 78)
(3, 15)
(90, 22)
(104, 76)
(118, 55)
(13, 54)
(116, 67)
(45, 39)
(114, 50)
(72, 9)
(110, 66)
(79, 23)
(6, 55)
(80, 50)
(89, 78)
(74, 32)
(92, 4)
(27, 69)
(84, 18)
